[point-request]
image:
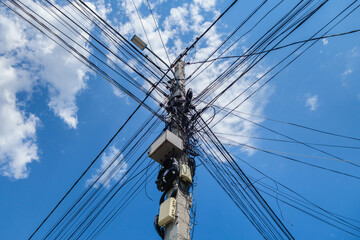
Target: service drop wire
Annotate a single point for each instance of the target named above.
(242, 145)
(117, 38)
(227, 39)
(118, 69)
(240, 173)
(257, 59)
(135, 135)
(338, 15)
(87, 62)
(302, 162)
(236, 197)
(232, 111)
(113, 214)
(302, 199)
(277, 48)
(141, 103)
(290, 138)
(112, 193)
(268, 37)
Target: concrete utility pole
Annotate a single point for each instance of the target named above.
(175, 221)
(180, 228)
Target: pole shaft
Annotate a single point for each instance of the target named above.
(181, 227)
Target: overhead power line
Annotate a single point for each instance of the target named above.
(278, 48)
(232, 111)
(286, 141)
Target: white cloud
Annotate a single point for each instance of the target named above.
(312, 102)
(28, 59)
(206, 4)
(347, 72)
(325, 41)
(65, 78)
(185, 22)
(113, 167)
(17, 129)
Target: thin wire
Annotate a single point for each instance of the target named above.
(140, 18)
(288, 123)
(158, 30)
(277, 48)
(237, 144)
(286, 141)
(185, 52)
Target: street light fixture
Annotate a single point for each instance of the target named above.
(141, 45)
(138, 42)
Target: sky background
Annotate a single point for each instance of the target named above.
(56, 116)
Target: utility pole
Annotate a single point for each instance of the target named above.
(172, 150)
(180, 228)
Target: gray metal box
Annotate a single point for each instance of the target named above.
(165, 144)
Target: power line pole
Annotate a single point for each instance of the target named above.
(172, 151)
(180, 228)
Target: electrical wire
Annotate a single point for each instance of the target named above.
(158, 30)
(278, 48)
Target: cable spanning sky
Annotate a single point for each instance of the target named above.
(276, 127)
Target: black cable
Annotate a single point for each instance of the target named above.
(92, 196)
(243, 177)
(286, 122)
(278, 48)
(158, 30)
(302, 162)
(288, 141)
(228, 37)
(142, 102)
(202, 35)
(305, 200)
(142, 25)
(257, 59)
(296, 57)
(82, 58)
(293, 139)
(267, 38)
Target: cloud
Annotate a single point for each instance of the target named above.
(355, 52)
(312, 102)
(206, 4)
(17, 129)
(325, 41)
(184, 22)
(39, 61)
(114, 169)
(347, 72)
(29, 59)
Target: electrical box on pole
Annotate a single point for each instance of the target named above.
(167, 143)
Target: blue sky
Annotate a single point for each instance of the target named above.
(56, 116)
